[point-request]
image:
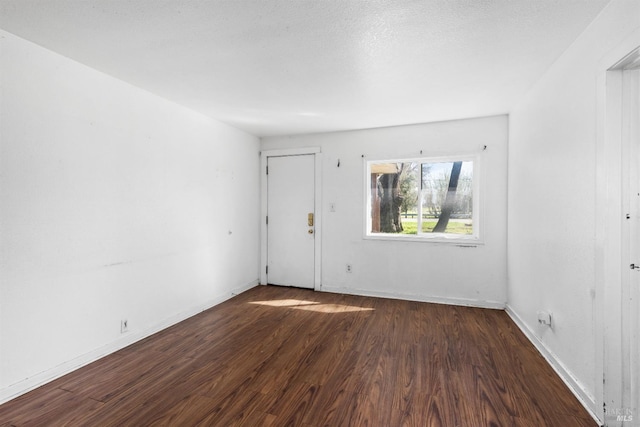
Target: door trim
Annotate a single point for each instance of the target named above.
(264, 156)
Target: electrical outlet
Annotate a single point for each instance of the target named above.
(348, 268)
(545, 318)
(124, 326)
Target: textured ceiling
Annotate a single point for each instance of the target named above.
(298, 66)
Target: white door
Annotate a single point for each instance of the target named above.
(631, 296)
(291, 220)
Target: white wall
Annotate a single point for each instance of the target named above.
(413, 270)
(115, 204)
(552, 197)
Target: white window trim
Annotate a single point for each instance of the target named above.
(456, 239)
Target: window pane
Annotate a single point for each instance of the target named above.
(394, 195)
(447, 197)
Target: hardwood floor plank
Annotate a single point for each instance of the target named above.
(292, 404)
(23, 408)
(277, 356)
(190, 410)
(362, 374)
(72, 413)
(233, 409)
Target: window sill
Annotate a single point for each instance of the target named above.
(462, 241)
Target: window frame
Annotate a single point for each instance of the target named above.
(476, 238)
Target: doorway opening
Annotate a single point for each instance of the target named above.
(618, 241)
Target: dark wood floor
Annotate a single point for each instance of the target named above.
(289, 357)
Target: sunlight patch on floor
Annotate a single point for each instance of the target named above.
(284, 302)
(333, 308)
(312, 306)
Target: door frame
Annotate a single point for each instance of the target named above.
(264, 157)
(610, 266)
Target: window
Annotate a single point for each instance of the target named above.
(428, 198)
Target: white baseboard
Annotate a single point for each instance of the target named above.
(239, 290)
(28, 384)
(496, 305)
(565, 375)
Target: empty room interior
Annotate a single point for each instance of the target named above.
(320, 212)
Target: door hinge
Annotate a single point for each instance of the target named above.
(267, 220)
(267, 269)
(267, 169)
